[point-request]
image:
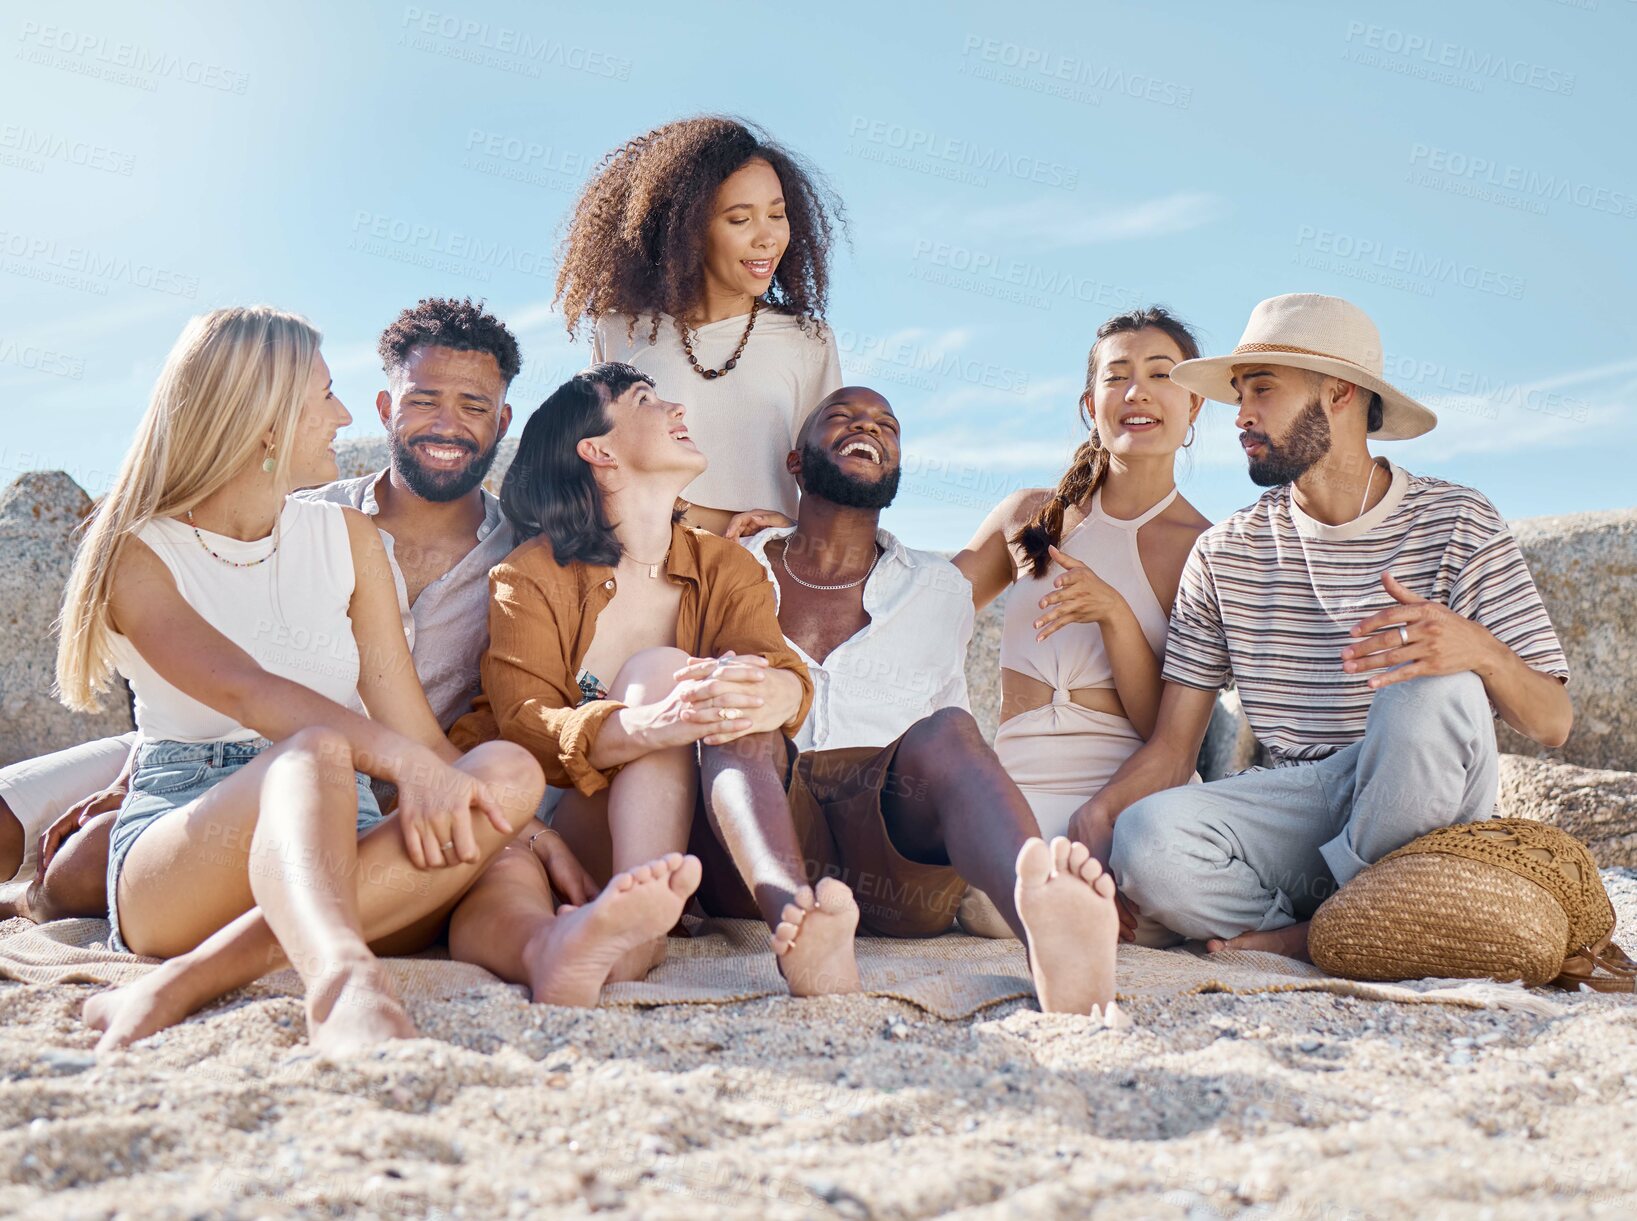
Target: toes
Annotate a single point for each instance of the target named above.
(793, 915)
(1034, 863)
(672, 861)
(1060, 854)
(1089, 869)
(621, 882)
(784, 937)
(831, 893)
(643, 873)
(1102, 884)
(1079, 854)
(685, 877)
(804, 899)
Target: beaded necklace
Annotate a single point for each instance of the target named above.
(712, 374)
(223, 558)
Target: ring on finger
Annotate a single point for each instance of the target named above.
(449, 847)
(728, 714)
(1403, 634)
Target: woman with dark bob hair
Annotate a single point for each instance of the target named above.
(621, 644)
(700, 252)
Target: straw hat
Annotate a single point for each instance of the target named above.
(1311, 331)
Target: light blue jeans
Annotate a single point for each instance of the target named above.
(1261, 850)
(166, 777)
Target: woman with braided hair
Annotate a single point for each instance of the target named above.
(700, 253)
(1093, 567)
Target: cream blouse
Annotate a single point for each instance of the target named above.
(745, 421)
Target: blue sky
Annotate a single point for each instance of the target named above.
(1465, 172)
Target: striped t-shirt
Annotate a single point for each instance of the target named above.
(1269, 597)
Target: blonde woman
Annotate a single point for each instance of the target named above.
(245, 623)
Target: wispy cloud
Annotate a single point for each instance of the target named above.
(1056, 224)
(1574, 408)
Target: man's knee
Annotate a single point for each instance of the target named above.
(1140, 842)
(940, 739)
(1158, 852)
(76, 884)
(13, 844)
(1435, 700)
(647, 675)
(950, 725)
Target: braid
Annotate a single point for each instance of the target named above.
(1045, 529)
(1091, 461)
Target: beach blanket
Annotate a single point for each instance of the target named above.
(727, 961)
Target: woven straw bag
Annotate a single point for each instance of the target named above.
(1505, 899)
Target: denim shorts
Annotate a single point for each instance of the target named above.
(166, 777)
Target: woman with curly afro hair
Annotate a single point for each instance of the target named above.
(700, 254)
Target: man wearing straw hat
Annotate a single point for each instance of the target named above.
(1374, 623)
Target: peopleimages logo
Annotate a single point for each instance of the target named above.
(915, 143)
(45, 145)
(1054, 74)
(440, 249)
(1377, 262)
(1445, 62)
(503, 46)
(1527, 183)
(141, 66)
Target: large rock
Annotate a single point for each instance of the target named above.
(983, 667)
(1229, 744)
(1586, 567)
(1596, 806)
(38, 516)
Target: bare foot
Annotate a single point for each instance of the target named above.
(1291, 941)
(139, 1009)
(571, 958)
(1066, 903)
(979, 917)
(17, 899)
(353, 1006)
(814, 940)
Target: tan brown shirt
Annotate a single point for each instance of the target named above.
(543, 616)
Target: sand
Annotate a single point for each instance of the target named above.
(1290, 1106)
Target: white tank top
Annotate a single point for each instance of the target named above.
(1075, 657)
(289, 613)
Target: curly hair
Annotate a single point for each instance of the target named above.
(444, 322)
(636, 240)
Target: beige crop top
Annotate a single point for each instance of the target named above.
(1074, 657)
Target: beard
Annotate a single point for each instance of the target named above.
(440, 487)
(821, 476)
(1305, 442)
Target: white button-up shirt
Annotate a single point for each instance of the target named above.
(907, 662)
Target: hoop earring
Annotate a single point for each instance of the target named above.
(269, 464)
(1186, 444)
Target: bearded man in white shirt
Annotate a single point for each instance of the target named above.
(895, 801)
